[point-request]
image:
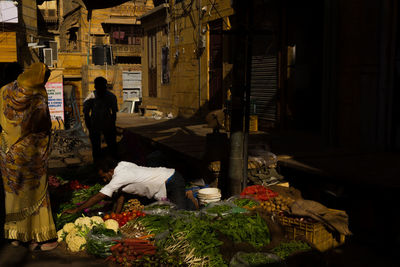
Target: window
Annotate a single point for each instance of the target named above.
(126, 34)
(51, 12)
(165, 65)
(127, 60)
(152, 56)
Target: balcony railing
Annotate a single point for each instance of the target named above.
(125, 50)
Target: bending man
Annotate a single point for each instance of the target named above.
(126, 177)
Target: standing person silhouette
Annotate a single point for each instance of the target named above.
(10, 74)
(100, 110)
(24, 152)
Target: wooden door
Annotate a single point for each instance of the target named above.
(152, 44)
(215, 71)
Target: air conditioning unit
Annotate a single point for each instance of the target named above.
(48, 57)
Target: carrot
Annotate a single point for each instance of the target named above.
(143, 249)
(150, 252)
(131, 258)
(134, 247)
(145, 236)
(109, 258)
(115, 246)
(135, 240)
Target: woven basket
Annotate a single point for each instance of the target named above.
(315, 233)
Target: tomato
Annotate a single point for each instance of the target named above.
(107, 216)
(124, 213)
(113, 215)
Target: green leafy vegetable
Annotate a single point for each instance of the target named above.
(100, 240)
(284, 250)
(245, 202)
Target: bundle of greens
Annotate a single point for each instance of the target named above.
(245, 203)
(255, 259)
(218, 209)
(286, 249)
(78, 197)
(195, 240)
(84, 194)
(62, 218)
(100, 240)
(155, 224)
(244, 228)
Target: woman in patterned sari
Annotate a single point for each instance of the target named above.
(25, 118)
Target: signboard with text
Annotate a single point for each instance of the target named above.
(56, 101)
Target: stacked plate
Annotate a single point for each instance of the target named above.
(209, 195)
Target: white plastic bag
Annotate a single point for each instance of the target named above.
(160, 208)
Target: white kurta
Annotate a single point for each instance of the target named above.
(138, 180)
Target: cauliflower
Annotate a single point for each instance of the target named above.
(81, 221)
(68, 227)
(75, 243)
(112, 224)
(74, 230)
(60, 235)
(97, 220)
(70, 236)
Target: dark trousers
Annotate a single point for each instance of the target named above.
(111, 141)
(176, 190)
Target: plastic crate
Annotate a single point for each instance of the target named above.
(315, 233)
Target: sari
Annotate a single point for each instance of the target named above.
(24, 151)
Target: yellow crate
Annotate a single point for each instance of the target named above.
(316, 233)
(253, 123)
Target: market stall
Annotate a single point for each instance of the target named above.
(263, 225)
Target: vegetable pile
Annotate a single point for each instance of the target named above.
(100, 240)
(244, 228)
(246, 203)
(74, 234)
(128, 250)
(255, 259)
(133, 205)
(259, 192)
(284, 250)
(195, 238)
(154, 224)
(76, 185)
(219, 209)
(56, 181)
(124, 217)
(278, 204)
(141, 252)
(77, 198)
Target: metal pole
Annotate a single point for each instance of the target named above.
(249, 53)
(198, 49)
(235, 172)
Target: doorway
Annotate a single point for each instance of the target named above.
(152, 42)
